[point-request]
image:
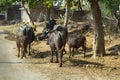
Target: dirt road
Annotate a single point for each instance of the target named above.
(11, 67)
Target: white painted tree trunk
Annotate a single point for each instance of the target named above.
(66, 16)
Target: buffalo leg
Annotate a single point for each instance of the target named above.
(24, 54)
(18, 51)
(22, 51)
(51, 60)
(84, 49)
(64, 51)
(29, 48)
(61, 56)
(56, 56)
(70, 52)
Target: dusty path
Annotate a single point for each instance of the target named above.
(11, 67)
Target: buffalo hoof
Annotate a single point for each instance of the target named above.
(29, 54)
(25, 57)
(18, 56)
(60, 65)
(84, 56)
(51, 61)
(56, 61)
(70, 57)
(21, 57)
(47, 43)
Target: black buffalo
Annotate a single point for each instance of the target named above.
(24, 37)
(48, 28)
(57, 41)
(75, 41)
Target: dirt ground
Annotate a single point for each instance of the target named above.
(102, 68)
(12, 67)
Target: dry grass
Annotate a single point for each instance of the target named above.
(102, 66)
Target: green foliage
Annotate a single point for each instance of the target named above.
(105, 11)
(48, 3)
(111, 5)
(32, 3)
(4, 4)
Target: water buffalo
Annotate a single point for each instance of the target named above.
(57, 41)
(75, 41)
(50, 25)
(48, 28)
(24, 37)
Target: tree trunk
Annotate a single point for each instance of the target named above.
(99, 47)
(79, 5)
(28, 15)
(6, 14)
(66, 16)
(48, 14)
(117, 16)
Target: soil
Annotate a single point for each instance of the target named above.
(77, 67)
(12, 67)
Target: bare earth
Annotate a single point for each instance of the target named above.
(38, 66)
(13, 68)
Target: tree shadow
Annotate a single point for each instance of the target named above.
(117, 46)
(37, 54)
(81, 52)
(114, 50)
(82, 63)
(89, 50)
(88, 55)
(23, 62)
(4, 32)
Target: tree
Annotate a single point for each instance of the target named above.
(67, 4)
(48, 4)
(27, 5)
(79, 5)
(4, 4)
(99, 48)
(114, 7)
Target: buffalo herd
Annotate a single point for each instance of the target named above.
(57, 38)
